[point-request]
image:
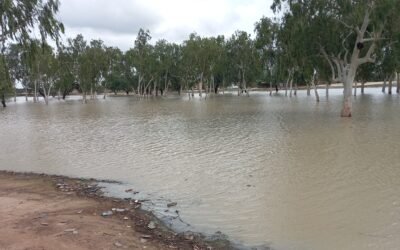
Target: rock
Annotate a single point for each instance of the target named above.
(188, 236)
(146, 236)
(126, 218)
(152, 225)
(107, 213)
(72, 230)
(172, 204)
(44, 224)
(119, 210)
(79, 212)
(117, 244)
(128, 190)
(143, 240)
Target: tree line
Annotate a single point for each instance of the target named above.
(309, 42)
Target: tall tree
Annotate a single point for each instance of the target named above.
(347, 33)
(17, 20)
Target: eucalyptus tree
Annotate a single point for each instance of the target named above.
(215, 56)
(5, 85)
(176, 78)
(97, 63)
(195, 53)
(244, 58)
(65, 83)
(366, 73)
(17, 71)
(118, 72)
(347, 33)
(187, 67)
(80, 67)
(139, 57)
(17, 20)
(166, 57)
(47, 70)
(265, 42)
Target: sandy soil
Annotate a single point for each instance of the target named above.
(42, 212)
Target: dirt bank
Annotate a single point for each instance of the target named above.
(50, 212)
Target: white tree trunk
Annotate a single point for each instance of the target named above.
(362, 87)
(398, 83)
(384, 85)
(327, 89)
(139, 89)
(291, 87)
(315, 89)
(355, 88)
(308, 90)
(286, 85)
(201, 85)
(347, 100)
(35, 98)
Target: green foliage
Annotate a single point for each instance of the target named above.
(17, 19)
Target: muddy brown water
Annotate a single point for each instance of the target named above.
(279, 172)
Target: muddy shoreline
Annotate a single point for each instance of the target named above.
(72, 205)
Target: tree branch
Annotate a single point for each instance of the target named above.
(367, 58)
(333, 78)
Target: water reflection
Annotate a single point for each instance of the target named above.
(286, 172)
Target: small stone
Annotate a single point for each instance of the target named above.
(79, 212)
(119, 210)
(172, 204)
(44, 224)
(72, 230)
(107, 213)
(126, 218)
(117, 244)
(152, 225)
(188, 236)
(128, 190)
(143, 240)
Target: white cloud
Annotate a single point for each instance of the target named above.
(117, 22)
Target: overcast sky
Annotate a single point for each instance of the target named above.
(117, 22)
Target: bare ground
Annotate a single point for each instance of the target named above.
(39, 212)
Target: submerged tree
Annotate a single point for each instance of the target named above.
(17, 20)
(347, 33)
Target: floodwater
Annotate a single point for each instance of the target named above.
(270, 171)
